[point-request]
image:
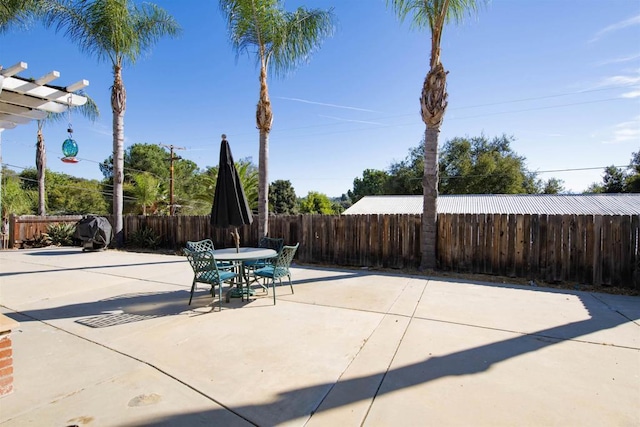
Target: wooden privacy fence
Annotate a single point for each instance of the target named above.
(592, 249)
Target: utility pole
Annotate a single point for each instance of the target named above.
(171, 147)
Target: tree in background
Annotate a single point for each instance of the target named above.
(248, 173)
(282, 198)
(482, 166)
(116, 31)
(281, 40)
(372, 183)
(553, 186)
(619, 180)
(405, 177)
(66, 194)
(145, 192)
(16, 199)
(467, 166)
(203, 185)
(633, 176)
(316, 203)
(432, 14)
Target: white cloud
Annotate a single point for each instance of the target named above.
(633, 94)
(620, 59)
(620, 80)
(626, 131)
(635, 20)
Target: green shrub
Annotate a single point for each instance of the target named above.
(41, 241)
(61, 234)
(144, 237)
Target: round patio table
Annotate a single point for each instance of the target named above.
(238, 257)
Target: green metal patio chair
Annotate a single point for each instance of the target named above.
(268, 243)
(279, 268)
(207, 245)
(205, 270)
(200, 245)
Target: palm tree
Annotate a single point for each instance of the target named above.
(433, 14)
(145, 189)
(116, 31)
(17, 12)
(282, 40)
(89, 110)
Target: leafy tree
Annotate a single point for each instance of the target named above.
(405, 177)
(633, 177)
(373, 182)
(619, 180)
(16, 199)
(67, 194)
(248, 173)
(202, 190)
(432, 14)
(283, 197)
(138, 158)
(554, 186)
(145, 191)
(482, 166)
(345, 202)
(614, 180)
(116, 31)
(280, 40)
(316, 203)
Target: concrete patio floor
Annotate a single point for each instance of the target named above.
(107, 339)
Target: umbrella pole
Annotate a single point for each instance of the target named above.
(236, 238)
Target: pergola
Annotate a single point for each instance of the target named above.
(23, 100)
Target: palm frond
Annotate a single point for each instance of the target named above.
(112, 30)
(424, 13)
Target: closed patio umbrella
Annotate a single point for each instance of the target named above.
(230, 207)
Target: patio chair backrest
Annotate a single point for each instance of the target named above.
(271, 243)
(200, 245)
(282, 263)
(204, 266)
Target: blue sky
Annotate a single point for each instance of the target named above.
(561, 76)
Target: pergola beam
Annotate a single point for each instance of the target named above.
(45, 92)
(77, 86)
(17, 110)
(48, 78)
(14, 69)
(32, 102)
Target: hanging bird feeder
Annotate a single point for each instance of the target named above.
(70, 146)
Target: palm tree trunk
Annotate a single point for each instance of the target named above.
(434, 104)
(41, 165)
(430, 200)
(264, 119)
(118, 106)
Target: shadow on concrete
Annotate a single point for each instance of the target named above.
(93, 267)
(121, 309)
(51, 252)
(466, 362)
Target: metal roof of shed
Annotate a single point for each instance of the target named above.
(551, 204)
